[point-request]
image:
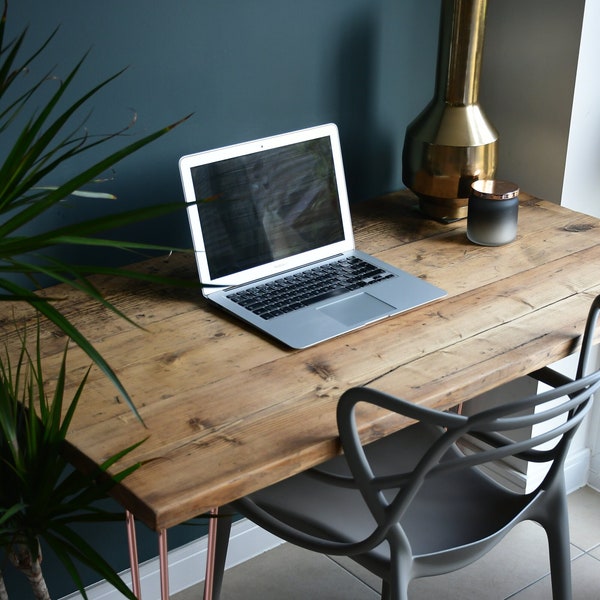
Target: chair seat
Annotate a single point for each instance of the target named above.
(451, 510)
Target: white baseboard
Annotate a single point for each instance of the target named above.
(594, 477)
(187, 564)
(577, 469)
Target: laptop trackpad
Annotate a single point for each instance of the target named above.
(356, 309)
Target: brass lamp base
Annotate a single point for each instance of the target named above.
(451, 143)
(443, 209)
(441, 174)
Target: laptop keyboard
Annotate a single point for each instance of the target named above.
(274, 298)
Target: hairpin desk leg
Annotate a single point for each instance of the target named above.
(164, 564)
(133, 556)
(210, 554)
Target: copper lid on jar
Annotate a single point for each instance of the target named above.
(492, 189)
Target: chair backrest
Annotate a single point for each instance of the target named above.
(560, 409)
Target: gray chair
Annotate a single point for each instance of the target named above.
(421, 502)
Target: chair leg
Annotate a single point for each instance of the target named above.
(556, 525)
(397, 586)
(393, 591)
(560, 559)
(218, 542)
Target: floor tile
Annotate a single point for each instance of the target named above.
(363, 574)
(584, 518)
(586, 582)
(291, 573)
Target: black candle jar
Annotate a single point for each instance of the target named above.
(493, 212)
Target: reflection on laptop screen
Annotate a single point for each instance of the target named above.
(267, 206)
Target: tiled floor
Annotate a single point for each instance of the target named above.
(517, 569)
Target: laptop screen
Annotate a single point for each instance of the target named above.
(268, 205)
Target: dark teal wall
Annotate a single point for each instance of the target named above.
(246, 69)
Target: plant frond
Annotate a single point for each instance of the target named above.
(45, 308)
(48, 501)
(66, 543)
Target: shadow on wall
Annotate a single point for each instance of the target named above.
(367, 149)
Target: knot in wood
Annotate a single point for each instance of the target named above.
(321, 369)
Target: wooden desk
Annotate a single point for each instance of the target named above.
(228, 412)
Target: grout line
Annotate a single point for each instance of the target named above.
(589, 553)
(548, 575)
(526, 587)
(353, 575)
(593, 548)
(579, 549)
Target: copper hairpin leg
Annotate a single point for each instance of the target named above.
(133, 555)
(164, 559)
(133, 559)
(164, 564)
(210, 554)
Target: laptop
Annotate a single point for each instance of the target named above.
(273, 240)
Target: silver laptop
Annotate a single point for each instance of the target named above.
(273, 240)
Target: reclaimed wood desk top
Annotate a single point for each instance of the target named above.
(228, 411)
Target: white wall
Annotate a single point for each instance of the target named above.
(528, 78)
(581, 184)
(540, 88)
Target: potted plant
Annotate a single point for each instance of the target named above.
(41, 500)
(40, 497)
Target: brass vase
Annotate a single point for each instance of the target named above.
(452, 143)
